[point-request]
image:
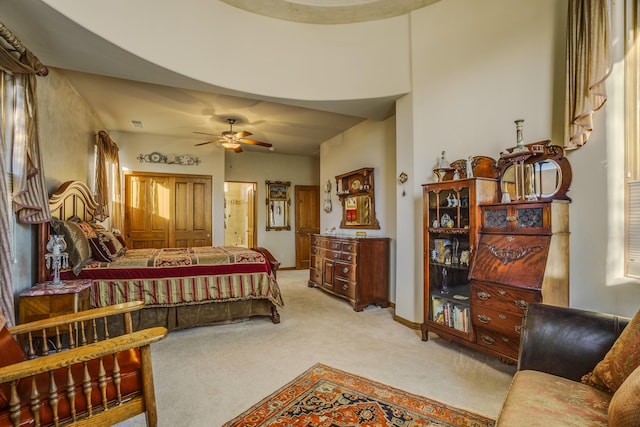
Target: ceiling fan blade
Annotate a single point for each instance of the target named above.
(208, 142)
(205, 133)
(242, 134)
(238, 149)
(254, 142)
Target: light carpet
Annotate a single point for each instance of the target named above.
(327, 397)
(206, 376)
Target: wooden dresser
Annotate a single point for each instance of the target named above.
(522, 257)
(356, 269)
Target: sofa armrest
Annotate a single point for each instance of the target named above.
(565, 341)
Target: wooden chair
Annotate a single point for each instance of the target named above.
(68, 370)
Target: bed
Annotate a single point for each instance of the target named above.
(181, 287)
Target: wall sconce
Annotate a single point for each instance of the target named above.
(56, 258)
(403, 178)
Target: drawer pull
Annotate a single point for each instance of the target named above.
(520, 303)
(511, 218)
(505, 339)
(483, 295)
(336, 256)
(502, 292)
(484, 318)
(345, 287)
(518, 328)
(349, 258)
(349, 247)
(345, 270)
(502, 316)
(487, 339)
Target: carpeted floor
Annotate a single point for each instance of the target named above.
(207, 376)
(326, 397)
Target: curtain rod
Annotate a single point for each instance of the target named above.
(16, 44)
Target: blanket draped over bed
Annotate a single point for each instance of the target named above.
(181, 276)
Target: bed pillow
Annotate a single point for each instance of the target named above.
(620, 361)
(77, 243)
(106, 247)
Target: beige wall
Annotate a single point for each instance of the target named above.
(368, 144)
(258, 168)
(67, 127)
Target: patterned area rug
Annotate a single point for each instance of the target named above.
(327, 397)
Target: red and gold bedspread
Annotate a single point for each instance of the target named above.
(181, 276)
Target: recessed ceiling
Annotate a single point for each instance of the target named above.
(330, 11)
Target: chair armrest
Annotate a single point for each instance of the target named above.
(80, 316)
(565, 341)
(81, 354)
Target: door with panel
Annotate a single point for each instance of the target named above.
(307, 218)
(167, 210)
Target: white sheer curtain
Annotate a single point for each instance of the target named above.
(588, 66)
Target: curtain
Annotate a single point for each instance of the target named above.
(18, 69)
(108, 171)
(588, 66)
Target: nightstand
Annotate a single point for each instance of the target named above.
(44, 300)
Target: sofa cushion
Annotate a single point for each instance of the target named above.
(547, 400)
(624, 410)
(620, 361)
(10, 353)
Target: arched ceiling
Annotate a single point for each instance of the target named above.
(330, 11)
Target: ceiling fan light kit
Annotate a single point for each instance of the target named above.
(234, 140)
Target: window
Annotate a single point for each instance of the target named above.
(632, 141)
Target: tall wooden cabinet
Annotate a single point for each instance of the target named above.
(356, 269)
(451, 221)
(522, 257)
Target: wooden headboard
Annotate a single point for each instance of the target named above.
(71, 199)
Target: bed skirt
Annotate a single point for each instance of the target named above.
(189, 316)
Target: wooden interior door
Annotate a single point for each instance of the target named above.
(251, 217)
(307, 217)
(146, 217)
(192, 212)
(167, 210)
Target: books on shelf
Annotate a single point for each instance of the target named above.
(450, 314)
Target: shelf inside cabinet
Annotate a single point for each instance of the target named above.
(452, 309)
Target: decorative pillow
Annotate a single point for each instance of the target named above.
(77, 243)
(120, 238)
(10, 353)
(624, 409)
(105, 246)
(620, 361)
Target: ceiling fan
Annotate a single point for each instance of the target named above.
(233, 140)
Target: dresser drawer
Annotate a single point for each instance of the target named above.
(348, 257)
(315, 262)
(315, 276)
(345, 271)
(502, 298)
(349, 247)
(345, 287)
(328, 254)
(495, 320)
(316, 250)
(496, 341)
(334, 245)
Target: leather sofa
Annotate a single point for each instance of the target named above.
(558, 346)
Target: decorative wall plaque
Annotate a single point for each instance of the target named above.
(170, 159)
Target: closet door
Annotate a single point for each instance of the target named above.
(167, 211)
(147, 211)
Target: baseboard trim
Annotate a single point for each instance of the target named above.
(405, 322)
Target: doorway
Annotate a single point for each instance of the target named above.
(240, 214)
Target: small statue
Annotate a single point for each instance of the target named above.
(470, 167)
(443, 163)
(456, 175)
